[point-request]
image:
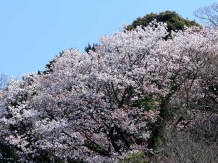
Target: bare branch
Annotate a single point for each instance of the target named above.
(208, 15)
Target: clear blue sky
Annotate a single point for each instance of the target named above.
(32, 32)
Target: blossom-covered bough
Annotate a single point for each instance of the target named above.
(99, 106)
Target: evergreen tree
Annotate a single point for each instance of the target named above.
(174, 21)
(91, 47)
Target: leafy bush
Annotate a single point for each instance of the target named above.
(137, 157)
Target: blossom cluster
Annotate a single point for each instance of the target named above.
(92, 106)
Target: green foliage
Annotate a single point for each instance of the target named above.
(7, 152)
(174, 21)
(48, 66)
(91, 47)
(156, 128)
(137, 157)
(148, 102)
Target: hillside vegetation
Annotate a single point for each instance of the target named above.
(137, 97)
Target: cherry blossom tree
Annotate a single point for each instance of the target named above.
(102, 105)
(3, 81)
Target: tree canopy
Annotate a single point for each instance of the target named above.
(113, 103)
(174, 21)
(134, 97)
(91, 47)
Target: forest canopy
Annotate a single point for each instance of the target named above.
(136, 95)
(174, 21)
